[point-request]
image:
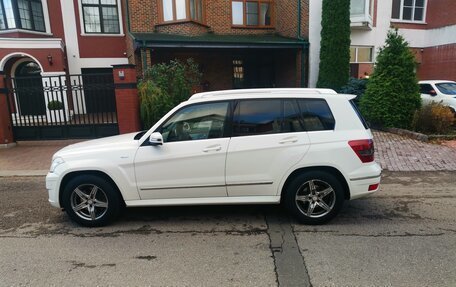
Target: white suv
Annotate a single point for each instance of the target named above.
(307, 148)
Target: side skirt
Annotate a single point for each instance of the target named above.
(206, 201)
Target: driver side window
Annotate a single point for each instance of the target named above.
(196, 122)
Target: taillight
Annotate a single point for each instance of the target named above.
(364, 149)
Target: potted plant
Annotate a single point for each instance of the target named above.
(55, 111)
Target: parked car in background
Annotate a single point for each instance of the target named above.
(439, 91)
(307, 148)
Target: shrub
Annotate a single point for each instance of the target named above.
(164, 86)
(355, 87)
(433, 118)
(335, 44)
(55, 105)
(392, 93)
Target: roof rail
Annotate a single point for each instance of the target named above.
(261, 91)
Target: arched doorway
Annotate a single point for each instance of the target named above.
(29, 89)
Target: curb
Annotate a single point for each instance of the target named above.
(407, 133)
(25, 173)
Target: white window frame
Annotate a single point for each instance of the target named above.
(47, 23)
(356, 54)
(401, 11)
(81, 22)
(366, 18)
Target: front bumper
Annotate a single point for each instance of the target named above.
(52, 186)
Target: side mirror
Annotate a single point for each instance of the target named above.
(156, 139)
(433, 93)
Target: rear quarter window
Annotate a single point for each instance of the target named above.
(316, 115)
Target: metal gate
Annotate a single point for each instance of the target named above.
(62, 107)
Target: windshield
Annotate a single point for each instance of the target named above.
(447, 88)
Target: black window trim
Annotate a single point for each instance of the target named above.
(17, 19)
(100, 11)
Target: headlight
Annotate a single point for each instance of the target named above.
(55, 163)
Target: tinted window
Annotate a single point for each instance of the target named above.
(202, 121)
(425, 88)
(257, 117)
(292, 121)
(316, 115)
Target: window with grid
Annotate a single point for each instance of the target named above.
(251, 13)
(22, 14)
(182, 10)
(101, 16)
(409, 10)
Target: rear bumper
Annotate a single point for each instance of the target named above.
(359, 182)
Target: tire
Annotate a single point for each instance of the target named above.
(91, 200)
(314, 197)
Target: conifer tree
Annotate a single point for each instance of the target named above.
(392, 94)
(335, 44)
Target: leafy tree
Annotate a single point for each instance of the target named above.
(335, 44)
(164, 86)
(392, 94)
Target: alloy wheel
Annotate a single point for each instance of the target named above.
(315, 198)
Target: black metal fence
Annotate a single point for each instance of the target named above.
(67, 106)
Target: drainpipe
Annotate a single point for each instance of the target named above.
(142, 44)
(304, 48)
(299, 20)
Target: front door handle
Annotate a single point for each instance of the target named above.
(212, 148)
(288, 140)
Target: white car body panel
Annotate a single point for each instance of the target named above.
(237, 170)
(185, 169)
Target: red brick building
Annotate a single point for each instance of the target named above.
(49, 51)
(237, 43)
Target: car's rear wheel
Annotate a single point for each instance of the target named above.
(91, 201)
(314, 197)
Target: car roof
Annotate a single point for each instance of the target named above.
(435, 81)
(273, 92)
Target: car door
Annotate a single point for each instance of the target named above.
(191, 161)
(428, 94)
(267, 140)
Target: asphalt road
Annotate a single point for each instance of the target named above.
(405, 235)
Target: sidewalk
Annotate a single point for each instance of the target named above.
(30, 158)
(393, 153)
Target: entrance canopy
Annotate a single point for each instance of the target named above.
(270, 41)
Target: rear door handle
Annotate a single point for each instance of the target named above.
(212, 148)
(288, 140)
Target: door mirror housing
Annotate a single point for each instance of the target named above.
(433, 93)
(156, 139)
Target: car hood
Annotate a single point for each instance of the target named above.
(106, 144)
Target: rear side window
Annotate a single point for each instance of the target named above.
(316, 115)
(269, 116)
(257, 117)
(292, 119)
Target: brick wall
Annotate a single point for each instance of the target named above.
(439, 13)
(144, 17)
(438, 63)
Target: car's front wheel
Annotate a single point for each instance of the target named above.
(314, 197)
(91, 200)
